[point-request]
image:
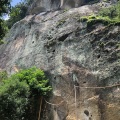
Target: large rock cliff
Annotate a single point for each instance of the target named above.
(72, 54)
(38, 6)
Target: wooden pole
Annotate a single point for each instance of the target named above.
(76, 103)
(40, 107)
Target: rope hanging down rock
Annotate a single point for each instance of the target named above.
(83, 88)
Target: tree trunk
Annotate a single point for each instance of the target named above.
(41, 98)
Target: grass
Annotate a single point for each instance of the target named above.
(61, 22)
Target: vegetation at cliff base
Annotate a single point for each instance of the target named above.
(3, 75)
(17, 91)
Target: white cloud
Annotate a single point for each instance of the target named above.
(6, 17)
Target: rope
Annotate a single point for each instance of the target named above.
(75, 109)
(80, 87)
(53, 103)
(58, 103)
(99, 87)
(84, 88)
(76, 102)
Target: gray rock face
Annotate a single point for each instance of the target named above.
(47, 5)
(38, 6)
(71, 54)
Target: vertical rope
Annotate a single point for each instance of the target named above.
(76, 103)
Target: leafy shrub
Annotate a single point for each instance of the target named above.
(13, 99)
(3, 75)
(36, 80)
(17, 91)
(106, 16)
(91, 20)
(112, 12)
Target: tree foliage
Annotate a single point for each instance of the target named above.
(4, 9)
(3, 75)
(36, 80)
(112, 12)
(3, 30)
(17, 90)
(4, 6)
(13, 99)
(17, 13)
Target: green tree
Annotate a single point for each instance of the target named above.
(112, 12)
(36, 80)
(17, 13)
(4, 6)
(118, 9)
(3, 75)
(3, 30)
(13, 99)
(4, 9)
(20, 91)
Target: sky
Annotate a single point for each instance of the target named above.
(14, 2)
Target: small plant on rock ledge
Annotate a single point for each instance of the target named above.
(106, 16)
(61, 22)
